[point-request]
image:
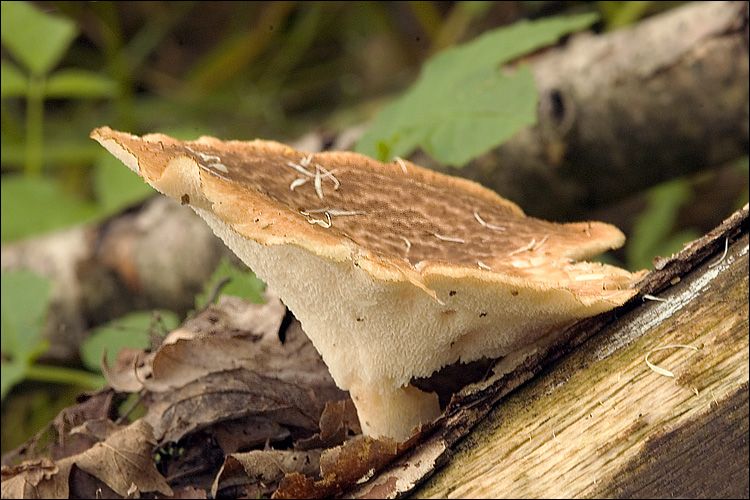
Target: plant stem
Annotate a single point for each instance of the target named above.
(61, 375)
(34, 125)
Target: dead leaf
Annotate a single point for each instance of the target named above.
(338, 421)
(84, 485)
(124, 459)
(97, 429)
(233, 318)
(259, 472)
(210, 371)
(247, 433)
(194, 462)
(189, 492)
(237, 334)
(229, 395)
(55, 440)
(131, 368)
(342, 467)
(36, 479)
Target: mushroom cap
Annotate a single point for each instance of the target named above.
(393, 270)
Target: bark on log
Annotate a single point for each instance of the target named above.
(601, 422)
(623, 111)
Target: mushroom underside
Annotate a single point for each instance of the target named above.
(375, 335)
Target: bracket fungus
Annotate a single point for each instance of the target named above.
(394, 271)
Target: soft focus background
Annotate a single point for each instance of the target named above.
(241, 70)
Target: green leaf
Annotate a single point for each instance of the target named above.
(36, 39)
(11, 373)
(25, 299)
(117, 187)
(32, 205)
(475, 120)
(13, 83)
(78, 83)
(743, 165)
(463, 103)
(57, 151)
(619, 14)
(652, 231)
(242, 283)
(132, 330)
(675, 242)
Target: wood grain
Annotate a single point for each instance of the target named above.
(602, 423)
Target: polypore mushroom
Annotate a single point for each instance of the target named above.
(393, 270)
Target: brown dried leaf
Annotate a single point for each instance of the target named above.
(338, 421)
(247, 433)
(97, 429)
(234, 334)
(211, 371)
(189, 492)
(56, 440)
(258, 473)
(229, 395)
(341, 468)
(84, 485)
(131, 368)
(36, 479)
(125, 459)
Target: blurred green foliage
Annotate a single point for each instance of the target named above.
(25, 301)
(619, 14)
(35, 39)
(654, 230)
(229, 279)
(743, 165)
(25, 298)
(25, 304)
(464, 103)
(134, 330)
(32, 204)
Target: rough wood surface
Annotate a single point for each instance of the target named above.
(601, 422)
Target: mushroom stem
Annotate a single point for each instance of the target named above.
(394, 413)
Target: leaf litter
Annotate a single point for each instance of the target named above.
(235, 402)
